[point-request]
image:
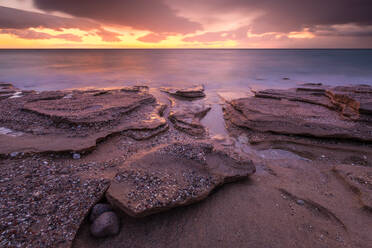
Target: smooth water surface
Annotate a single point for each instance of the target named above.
(218, 70)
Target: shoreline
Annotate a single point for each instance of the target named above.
(312, 174)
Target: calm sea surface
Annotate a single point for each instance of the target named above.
(226, 73)
(216, 69)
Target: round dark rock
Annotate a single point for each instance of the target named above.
(99, 209)
(76, 156)
(300, 202)
(107, 224)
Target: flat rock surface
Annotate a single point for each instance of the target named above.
(359, 181)
(297, 118)
(314, 121)
(192, 92)
(74, 121)
(350, 101)
(186, 116)
(171, 176)
(305, 112)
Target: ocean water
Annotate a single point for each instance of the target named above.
(227, 73)
(218, 70)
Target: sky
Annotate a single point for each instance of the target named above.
(185, 24)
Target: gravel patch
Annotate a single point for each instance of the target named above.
(42, 204)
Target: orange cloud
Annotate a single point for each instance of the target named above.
(152, 38)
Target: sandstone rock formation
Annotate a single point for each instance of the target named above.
(186, 117)
(309, 116)
(186, 112)
(359, 181)
(7, 90)
(171, 176)
(192, 92)
(350, 101)
(77, 120)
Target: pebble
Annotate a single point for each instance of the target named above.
(14, 154)
(98, 210)
(76, 156)
(107, 224)
(300, 202)
(64, 171)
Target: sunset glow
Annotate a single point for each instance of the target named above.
(177, 24)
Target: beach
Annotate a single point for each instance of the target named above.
(290, 168)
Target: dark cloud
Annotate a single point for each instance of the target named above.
(20, 19)
(152, 15)
(34, 35)
(286, 15)
(292, 15)
(343, 30)
(222, 19)
(13, 19)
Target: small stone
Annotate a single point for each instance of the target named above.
(300, 202)
(76, 156)
(37, 195)
(107, 224)
(99, 209)
(14, 154)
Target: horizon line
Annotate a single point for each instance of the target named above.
(201, 48)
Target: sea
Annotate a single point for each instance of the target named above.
(217, 70)
(230, 73)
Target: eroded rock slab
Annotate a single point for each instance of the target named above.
(313, 121)
(309, 112)
(359, 181)
(192, 92)
(77, 120)
(350, 101)
(173, 175)
(313, 95)
(296, 118)
(7, 90)
(187, 117)
(88, 107)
